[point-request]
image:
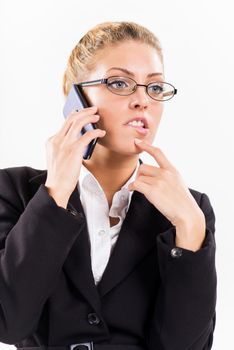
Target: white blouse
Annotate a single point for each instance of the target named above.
(102, 237)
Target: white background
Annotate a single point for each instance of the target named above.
(196, 131)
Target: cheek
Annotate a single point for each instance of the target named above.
(160, 108)
(111, 115)
(109, 110)
(108, 119)
(158, 113)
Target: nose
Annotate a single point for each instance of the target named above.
(139, 99)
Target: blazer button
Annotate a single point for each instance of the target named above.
(93, 318)
(176, 252)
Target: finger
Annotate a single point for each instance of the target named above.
(145, 179)
(157, 154)
(139, 186)
(145, 169)
(150, 180)
(74, 115)
(88, 137)
(78, 124)
(81, 112)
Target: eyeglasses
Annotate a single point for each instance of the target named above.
(159, 91)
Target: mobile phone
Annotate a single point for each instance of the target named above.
(76, 101)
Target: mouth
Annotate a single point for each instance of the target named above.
(139, 129)
(140, 125)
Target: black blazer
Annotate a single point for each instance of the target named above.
(151, 293)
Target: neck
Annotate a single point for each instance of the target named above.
(112, 170)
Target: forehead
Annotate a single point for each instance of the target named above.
(139, 58)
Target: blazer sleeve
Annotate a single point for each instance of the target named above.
(34, 242)
(184, 312)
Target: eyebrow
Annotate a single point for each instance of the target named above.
(132, 74)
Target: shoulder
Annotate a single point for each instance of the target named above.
(200, 197)
(204, 202)
(22, 171)
(16, 185)
(196, 194)
(19, 175)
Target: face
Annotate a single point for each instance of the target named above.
(115, 110)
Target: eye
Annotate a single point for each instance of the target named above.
(118, 84)
(155, 88)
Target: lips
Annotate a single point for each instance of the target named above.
(139, 129)
(142, 119)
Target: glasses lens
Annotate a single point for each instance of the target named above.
(161, 91)
(121, 85)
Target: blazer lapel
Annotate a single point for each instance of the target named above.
(136, 238)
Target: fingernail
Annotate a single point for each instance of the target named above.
(137, 140)
(93, 107)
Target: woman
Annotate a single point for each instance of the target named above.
(109, 252)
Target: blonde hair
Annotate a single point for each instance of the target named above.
(82, 57)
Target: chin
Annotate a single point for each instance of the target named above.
(130, 150)
(125, 148)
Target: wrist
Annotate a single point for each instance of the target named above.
(60, 198)
(191, 234)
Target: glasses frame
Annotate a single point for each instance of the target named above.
(105, 81)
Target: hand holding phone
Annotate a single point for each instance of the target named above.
(65, 153)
